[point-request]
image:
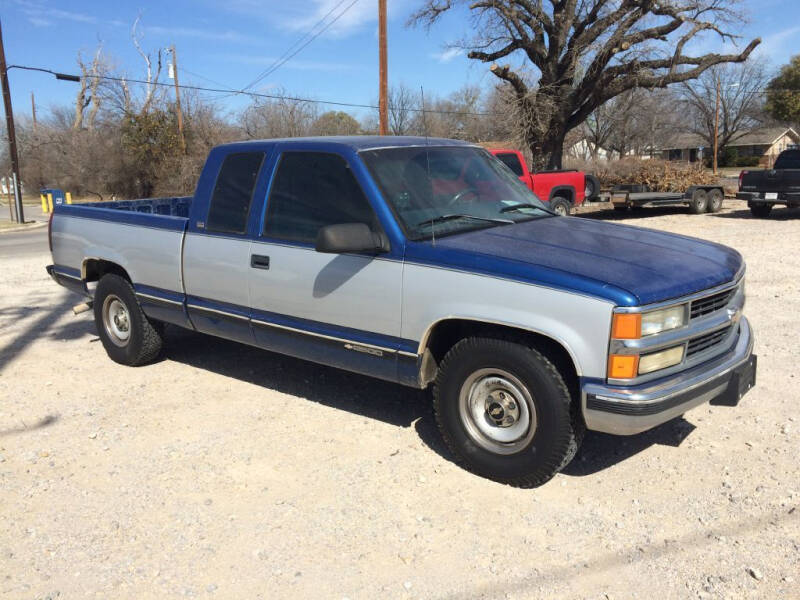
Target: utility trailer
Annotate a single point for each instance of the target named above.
(699, 198)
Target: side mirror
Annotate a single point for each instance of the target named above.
(350, 237)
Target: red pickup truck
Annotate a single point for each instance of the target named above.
(562, 189)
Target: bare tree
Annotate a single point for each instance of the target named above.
(578, 54)
(152, 78)
(282, 117)
(741, 102)
(88, 91)
(403, 105)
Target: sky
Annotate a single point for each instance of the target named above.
(229, 43)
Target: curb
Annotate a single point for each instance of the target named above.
(37, 225)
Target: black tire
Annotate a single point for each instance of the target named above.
(591, 187)
(760, 211)
(621, 208)
(715, 199)
(130, 338)
(560, 206)
(699, 202)
(551, 439)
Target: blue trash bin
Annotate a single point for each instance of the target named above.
(58, 195)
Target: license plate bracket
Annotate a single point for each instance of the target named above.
(742, 381)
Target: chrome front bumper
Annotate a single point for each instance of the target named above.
(629, 410)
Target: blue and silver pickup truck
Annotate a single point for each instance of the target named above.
(427, 263)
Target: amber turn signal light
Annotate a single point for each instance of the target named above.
(623, 366)
(626, 326)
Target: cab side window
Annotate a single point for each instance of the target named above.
(312, 190)
(233, 192)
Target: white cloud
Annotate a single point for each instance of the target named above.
(353, 16)
(776, 42)
(299, 65)
(42, 15)
(204, 34)
(447, 55)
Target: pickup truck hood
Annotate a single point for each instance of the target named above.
(626, 265)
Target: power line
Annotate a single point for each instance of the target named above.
(69, 77)
(283, 57)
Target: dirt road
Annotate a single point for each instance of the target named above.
(227, 472)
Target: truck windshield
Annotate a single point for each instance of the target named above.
(441, 190)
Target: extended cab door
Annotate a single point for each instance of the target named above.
(216, 254)
(337, 309)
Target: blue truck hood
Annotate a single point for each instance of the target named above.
(626, 265)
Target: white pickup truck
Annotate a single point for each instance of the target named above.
(423, 262)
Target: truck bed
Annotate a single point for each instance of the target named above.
(144, 237)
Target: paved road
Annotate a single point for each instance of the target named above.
(24, 243)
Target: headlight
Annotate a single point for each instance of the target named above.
(660, 360)
(632, 326)
(663, 320)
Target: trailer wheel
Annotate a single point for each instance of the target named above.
(699, 202)
(760, 211)
(560, 206)
(128, 336)
(505, 411)
(715, 198)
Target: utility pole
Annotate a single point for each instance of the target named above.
(12, 138)
(33, 111)
(382, 60)
(716, 130)
(177, 96)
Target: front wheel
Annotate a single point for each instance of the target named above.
(128, 336)
(505, 412)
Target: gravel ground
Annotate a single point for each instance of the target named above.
(224, 471)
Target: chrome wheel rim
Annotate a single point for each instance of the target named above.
(560, 210)
(116, 320)
(497, 411)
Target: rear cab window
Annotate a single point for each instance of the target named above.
(233, 193)
(788, 159)
(311, 190)
(511, 160)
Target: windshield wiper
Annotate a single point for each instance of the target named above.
(521, 205)
(450, 217)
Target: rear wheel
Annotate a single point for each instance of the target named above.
(560, 206)
(715, 198)
(760, 211)
(699, 202)
(505, 412)
(128, 336)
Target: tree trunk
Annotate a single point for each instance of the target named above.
(548, 150)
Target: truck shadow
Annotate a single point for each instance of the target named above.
(637, 213)
(777, 214)
(375, 399)
(600, 451)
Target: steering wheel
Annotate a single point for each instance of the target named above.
(458, 196)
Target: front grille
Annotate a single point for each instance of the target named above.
(710, 304)
(706, 341)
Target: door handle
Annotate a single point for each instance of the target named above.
(258, 261)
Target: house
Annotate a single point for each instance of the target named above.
(765, 143)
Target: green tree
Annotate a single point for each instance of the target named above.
(783, 93)
(335, 123)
